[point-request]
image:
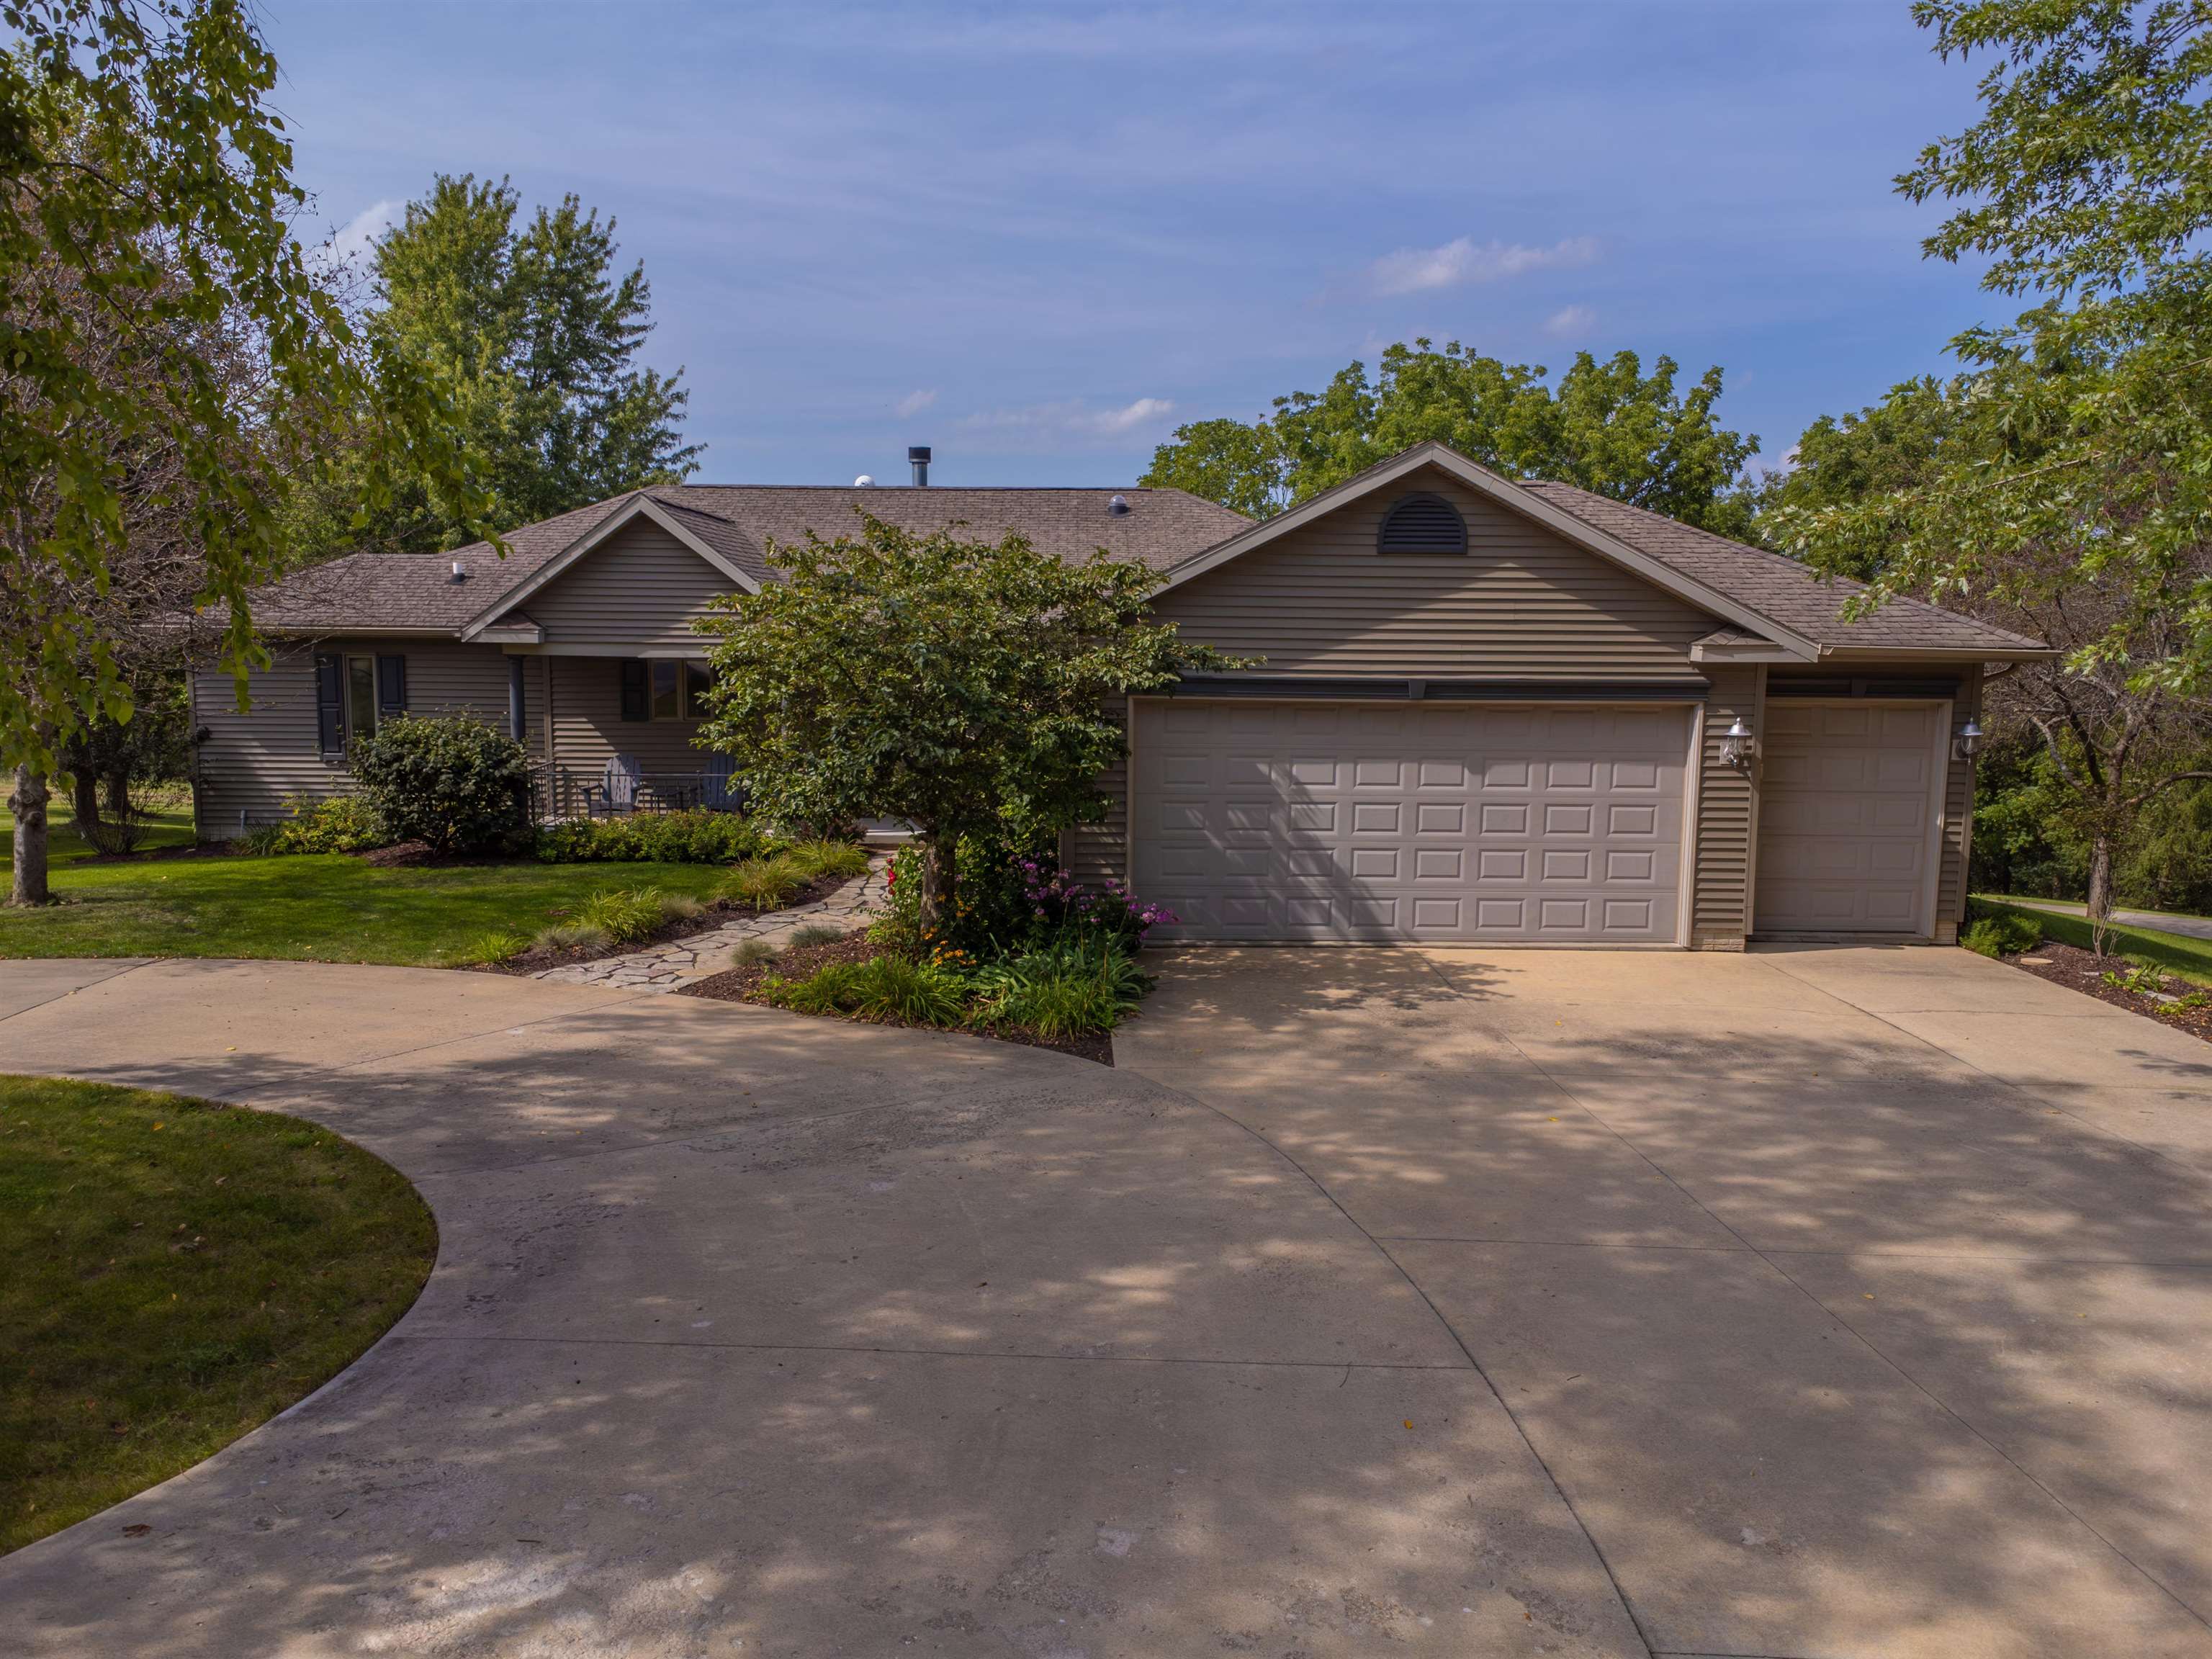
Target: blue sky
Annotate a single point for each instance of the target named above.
(1037, 237)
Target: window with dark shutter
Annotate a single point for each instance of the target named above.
(636, 690)
(1422, 524)
(330, 705)
(390, 686)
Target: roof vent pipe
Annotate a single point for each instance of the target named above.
(459, 574)
(919, 454)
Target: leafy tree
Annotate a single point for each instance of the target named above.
(1898, 443)
(168, 351)
(956, 684)
(1608, 426)
(2071, 491)
(2085, 184)
(539, 338)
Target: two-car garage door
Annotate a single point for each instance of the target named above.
(1436, 821)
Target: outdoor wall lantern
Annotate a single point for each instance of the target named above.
(1968, 740)
(1737, 746)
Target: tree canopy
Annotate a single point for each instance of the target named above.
(1607, 426)
(2084, 448)
(1898, 443)
(959, 685)
(538, 336)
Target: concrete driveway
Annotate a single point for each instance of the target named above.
(1816, 1303)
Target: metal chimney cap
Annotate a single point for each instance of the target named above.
(1118, 505)
(918, 452)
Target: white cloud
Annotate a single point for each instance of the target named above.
(350, 243)
(1571, 322)
(1074, 419)
(1419, 270)
(914, 403)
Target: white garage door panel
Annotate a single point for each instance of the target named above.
(1847, 813)
(1280, 821)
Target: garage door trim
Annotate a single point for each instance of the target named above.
(1938, 799)
(1566, 697)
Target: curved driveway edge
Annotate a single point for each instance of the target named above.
(754, 1334)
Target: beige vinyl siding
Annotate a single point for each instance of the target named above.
(1953, 862)
(1726, 814)
(1102, 849)
(639, 591)
(1520, 602)
(255, 760)
(588, 729)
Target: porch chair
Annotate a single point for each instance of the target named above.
(616, 790)
(717, 791)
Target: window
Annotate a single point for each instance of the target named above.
(1422, 523)
(361, 698)
(664, 688)
(352, 695)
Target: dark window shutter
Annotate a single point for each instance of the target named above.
(636, 689)
(517, 718)
(1422, 524)
(390, 686)
(330, 704)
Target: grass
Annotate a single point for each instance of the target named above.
(318, 907)
(2187, 959)
(177, 1272)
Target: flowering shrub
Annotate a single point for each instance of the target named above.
(1059, 904)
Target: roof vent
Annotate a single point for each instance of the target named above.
(1118, 505)
(459, 574)
(864, 481)
(918, 455)
(1422, 523)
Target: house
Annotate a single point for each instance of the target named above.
(1488, 711)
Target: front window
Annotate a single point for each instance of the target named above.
(667, 690)
(360, 697)
(678, 689)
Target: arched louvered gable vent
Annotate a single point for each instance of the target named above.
(1422, 523)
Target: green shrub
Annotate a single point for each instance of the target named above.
(2002, 933)
(623, 914)
(751, 952)
(449, 781)
(343, 824)
(842, 858)
(572, 936)
(815, 932)
(881, 987)
(693, 838)
(494, 946)
(763, 884)
(1077, 985)
(2141, 979)
(827, 991)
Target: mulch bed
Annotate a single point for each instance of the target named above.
(718, 914)
(2084, 971)
(742, 985)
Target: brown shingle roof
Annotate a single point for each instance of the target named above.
(1780, 588)
(410, 592)
(415, 592)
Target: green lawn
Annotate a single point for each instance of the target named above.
(324, 908)
(177, 1271)
(2189, 958)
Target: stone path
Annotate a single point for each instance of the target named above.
(679, 961)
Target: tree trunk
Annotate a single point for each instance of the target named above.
(118, 786)
(2100, 889)
(84, 790)
(28, 804)
(941, 884)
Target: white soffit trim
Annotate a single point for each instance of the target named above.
(641, 506)
(1485, 482)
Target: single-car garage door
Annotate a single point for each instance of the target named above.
(1432, 822)
(1848, 806)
